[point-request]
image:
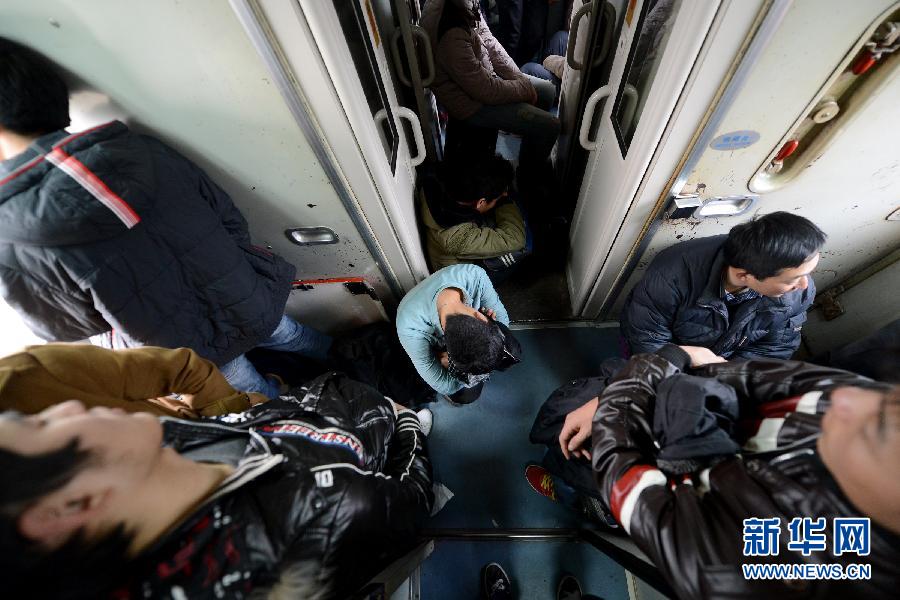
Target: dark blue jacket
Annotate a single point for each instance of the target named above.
(108, 230)
(679, 300)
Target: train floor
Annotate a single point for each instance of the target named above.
(480, 452)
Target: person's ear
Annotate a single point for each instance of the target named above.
(480, 204)
(743, 276)
(54, 518)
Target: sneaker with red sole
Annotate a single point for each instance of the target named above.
(541, 481)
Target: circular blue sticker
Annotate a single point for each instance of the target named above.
(735, 140)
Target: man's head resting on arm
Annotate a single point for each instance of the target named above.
(479, 184)
(81, 495)
(34, 99)
(774, 254)
(860, 445)
(474, 343)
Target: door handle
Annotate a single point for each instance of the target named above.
(311, 236)
(585, 132)
(608, 15)
(429, 56)
(420, 33)
(630, 102)
(421, 152)
(398, 62)
(585, 9)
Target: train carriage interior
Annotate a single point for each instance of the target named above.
(678, 119)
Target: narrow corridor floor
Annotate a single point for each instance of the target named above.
(480, 451)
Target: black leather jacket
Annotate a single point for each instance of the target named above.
(329, 487)
(692, 527)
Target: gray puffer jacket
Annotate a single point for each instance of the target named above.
(679, 301)
(108, 230)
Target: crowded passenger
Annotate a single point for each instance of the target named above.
(160, 381)
(551, 62)
(469, 217)
(521, 25)
(114, 236)
(479, 84)
(683, 460)
(307, 496)
(744, 295)
(456, 331)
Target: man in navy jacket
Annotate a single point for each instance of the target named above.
(112, 235)
(744, 295)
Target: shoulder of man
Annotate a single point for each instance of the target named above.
(690, 252)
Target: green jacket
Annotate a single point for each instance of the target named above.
(467, 242)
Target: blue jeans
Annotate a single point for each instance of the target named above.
(289, 336)
(538, 128)
(556, 46)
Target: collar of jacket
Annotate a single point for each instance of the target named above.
(38, 147)
(250, 468)
(711, 298)
(33, 164)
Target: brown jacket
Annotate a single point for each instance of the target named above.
(140, 379)
(471, 67)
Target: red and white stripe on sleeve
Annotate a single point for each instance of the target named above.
(628, 488)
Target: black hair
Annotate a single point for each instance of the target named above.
(34, 99)
(469, 181)
(474, 346)
(776, 241)
(458, 13)
(79, 568)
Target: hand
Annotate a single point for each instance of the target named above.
(701, 356)
(257, 399)
(577, 429)
(490, 312)
(444, 358)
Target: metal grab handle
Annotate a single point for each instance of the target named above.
(609, 22)
(588, 117)
(573, 34)
(398, 62)
(416, 126)
(429, 56)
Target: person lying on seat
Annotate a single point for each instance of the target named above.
(456, 332)
(307, 496)
(744, 295)
(160, 381)
(469, 217)
(477, 82)
(817, 442)
(114, 236)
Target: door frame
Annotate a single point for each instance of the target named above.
(613, 175)
(734, 41)
(330, 110)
